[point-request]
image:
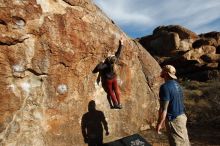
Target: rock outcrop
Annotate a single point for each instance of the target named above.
(195, 56)
(48, 50)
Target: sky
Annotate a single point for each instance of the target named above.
(138, 18)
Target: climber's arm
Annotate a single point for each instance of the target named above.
(121, 45)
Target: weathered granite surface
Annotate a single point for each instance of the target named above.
(48, 49)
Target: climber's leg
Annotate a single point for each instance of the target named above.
(111, 92)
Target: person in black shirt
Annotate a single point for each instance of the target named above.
(109, 77)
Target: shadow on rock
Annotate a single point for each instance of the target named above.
(92, 125)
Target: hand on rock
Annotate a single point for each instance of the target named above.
(122, 40)
(107, 133)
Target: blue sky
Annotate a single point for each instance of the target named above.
(138, 18)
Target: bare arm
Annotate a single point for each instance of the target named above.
(162, 114)
(117, 54)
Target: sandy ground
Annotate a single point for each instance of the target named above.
(199, 136)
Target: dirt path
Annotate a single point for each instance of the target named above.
(199, 136)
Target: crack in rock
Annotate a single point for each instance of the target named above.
(36, 73)
(2, 22)
(12, 42)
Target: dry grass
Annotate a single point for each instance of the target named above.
(202, 101)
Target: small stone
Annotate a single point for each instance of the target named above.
(19, 21)
(144, 127)
(18, 68)
(26, 87)
(62, 89)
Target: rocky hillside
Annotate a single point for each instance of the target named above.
(197, 59)
(48, 50)
(195, 56)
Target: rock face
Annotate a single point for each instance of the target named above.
(194, 56)
(48, 50)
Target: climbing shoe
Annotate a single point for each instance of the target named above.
(119, 106)
(112, 107)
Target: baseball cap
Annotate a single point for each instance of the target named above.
(170, 70)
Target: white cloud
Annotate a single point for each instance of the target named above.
(145, 15)
(119, 12)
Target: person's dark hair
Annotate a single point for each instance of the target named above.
(111, 59)
(91, 105)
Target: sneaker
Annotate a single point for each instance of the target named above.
(119, 106)
(112, 107)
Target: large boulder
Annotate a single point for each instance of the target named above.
(204, 41)
(194, 56)
(48, 50)
(211, 57)
(213, 34)
(168, 40)
(183, 32)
